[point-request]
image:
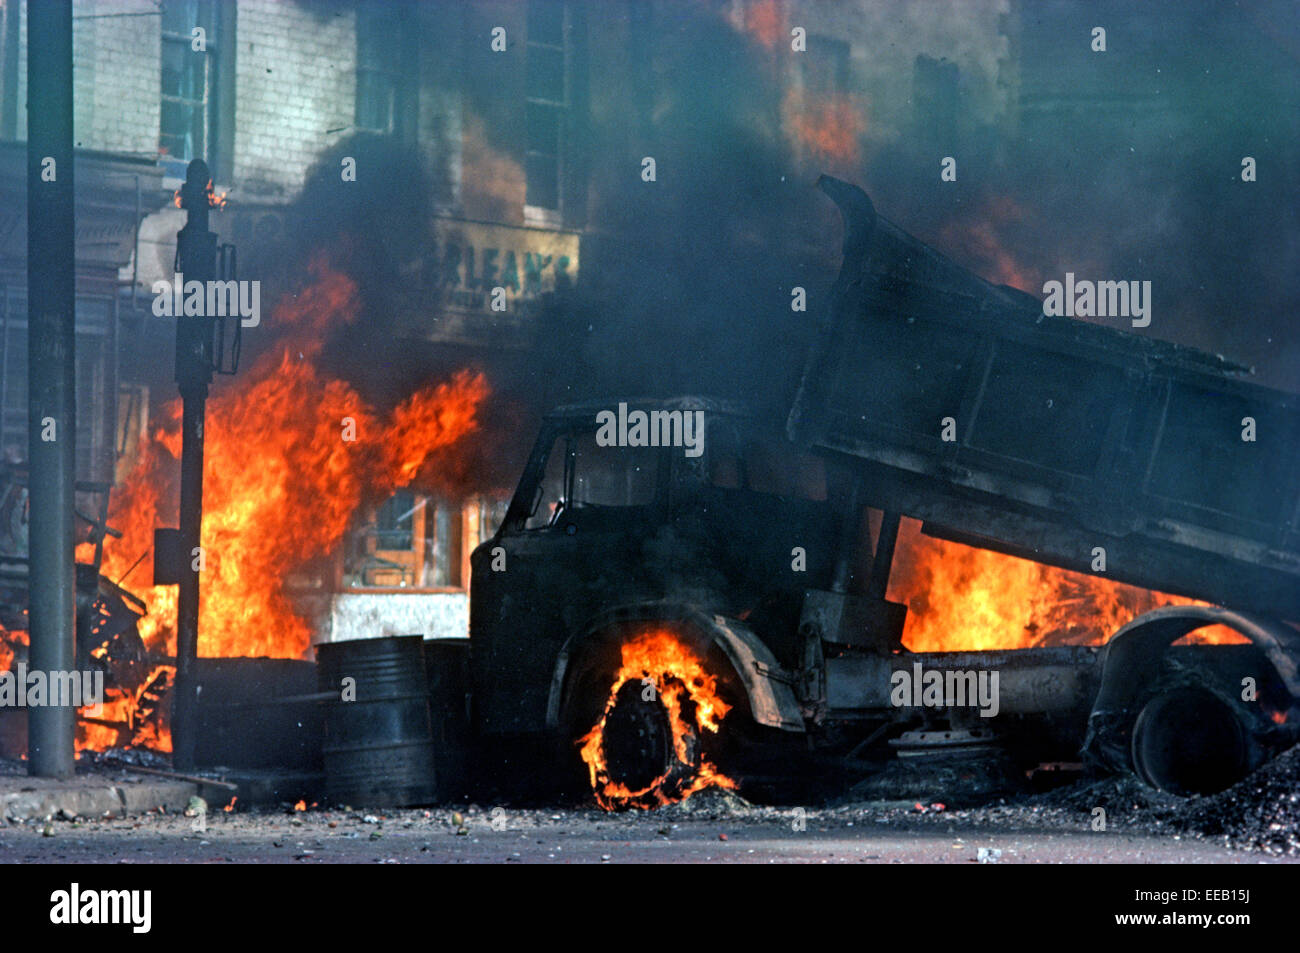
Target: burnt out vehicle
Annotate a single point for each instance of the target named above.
(654, 616)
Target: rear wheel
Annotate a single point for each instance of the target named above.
(1186, 740)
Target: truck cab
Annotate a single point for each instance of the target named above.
(599, 533)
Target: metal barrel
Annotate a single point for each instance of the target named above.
(258, 713)
(446, 663)
(378, 744)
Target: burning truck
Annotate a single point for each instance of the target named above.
(661, 614)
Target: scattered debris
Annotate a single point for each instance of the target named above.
(709, 803)
(1260, 812)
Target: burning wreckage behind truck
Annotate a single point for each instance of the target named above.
(657, 621)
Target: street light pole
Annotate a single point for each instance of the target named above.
(51, 379)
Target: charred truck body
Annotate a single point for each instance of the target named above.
(934, 395)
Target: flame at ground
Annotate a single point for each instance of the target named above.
(962, 599)
(290, 455)
(680, 681)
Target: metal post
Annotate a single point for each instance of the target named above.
(196, 251)
(51, 376)
(850, 534)
(884, 558)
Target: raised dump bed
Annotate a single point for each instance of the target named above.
(1063, 437)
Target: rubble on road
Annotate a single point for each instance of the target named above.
(709, 804)
(1260, 812)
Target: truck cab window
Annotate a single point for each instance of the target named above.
(596, 477)
(613, 476)
(549, 495)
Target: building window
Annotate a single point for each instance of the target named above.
(387, 68)
(412, 541)
(189, 81)
(379, 75)
(547, 103)
(936, 94)
(9, 14)
(825, 66)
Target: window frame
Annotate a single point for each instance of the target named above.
(211, 13)
(391, 20)
(562, 108)
(528, 498)
(431, 553)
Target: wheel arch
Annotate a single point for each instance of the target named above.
(1140, 644)
(1131, 662)
(772, 702)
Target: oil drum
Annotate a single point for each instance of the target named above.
(378, 743)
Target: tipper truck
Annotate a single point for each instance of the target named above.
(763, 548)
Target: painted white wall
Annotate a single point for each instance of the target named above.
(373, 615)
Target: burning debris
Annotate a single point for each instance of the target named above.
(13, 644)
(293, 453)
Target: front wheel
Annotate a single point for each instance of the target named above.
(648, 724)
(634, 757)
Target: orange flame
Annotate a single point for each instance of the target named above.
(965, 599)
(980, 240)
(765, 23)
(678, 675)
(119, 722)
(282, 479)
(113, 721)
(8, 639)
(215, 199)
(290, 455)
(828, 128)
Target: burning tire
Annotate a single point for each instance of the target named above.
(656, 712)
(638, 745)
